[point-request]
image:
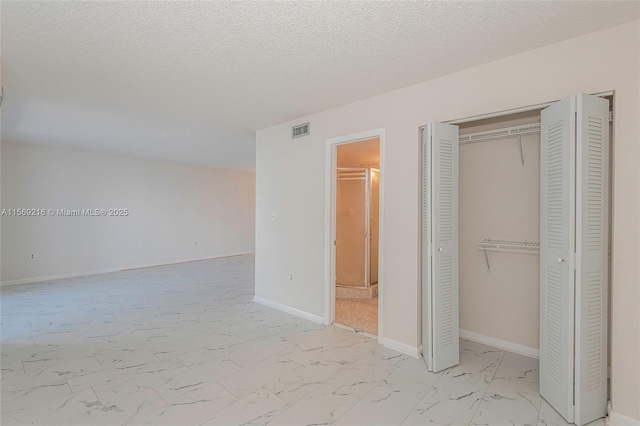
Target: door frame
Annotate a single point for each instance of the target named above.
(331, 150)
(610, 188)
(512, 111)
(503, 113)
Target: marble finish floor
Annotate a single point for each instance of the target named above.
(360, 314)
(185, 345)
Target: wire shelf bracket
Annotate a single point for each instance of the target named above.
(507, 246)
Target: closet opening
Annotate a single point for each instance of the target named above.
(354, 208)
(499, 230)
(490, 186)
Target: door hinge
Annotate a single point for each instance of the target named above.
(610, 116)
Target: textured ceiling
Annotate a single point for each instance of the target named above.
(192, 81)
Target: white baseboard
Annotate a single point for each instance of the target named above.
(58, 277)
(288, 309)
(106, 271)
(500, 344)
(616, 419)
(385, 341)
(400, 347)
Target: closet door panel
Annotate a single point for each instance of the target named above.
(426, 248)
(446, 351)
(442, 263)
(557, 228)
(592, 173)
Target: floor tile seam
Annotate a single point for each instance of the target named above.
(69, 386)
(302, 365)
(241, 367)
(226, 406)
(341, 367)
(539, 408)
(504, 354)
(433, 385)
(287, 404)
(68, 397)
(99, 363)
(102, 402)
(306, 396)
(227, 389)
(316, 356)
(377, 384)
(381, 380)
(167, 403)
(333, 421)
(117, 375)
(95, 395)
(332, 326)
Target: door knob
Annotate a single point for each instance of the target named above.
(560, 260)
(440, 249)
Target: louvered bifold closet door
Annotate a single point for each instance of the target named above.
(440, 216)
(426, 247)
(557, 239)
(592, 172)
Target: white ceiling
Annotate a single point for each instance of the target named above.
(192, 81)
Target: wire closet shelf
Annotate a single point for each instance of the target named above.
(510, 246)
(509, 132)
(507, 246)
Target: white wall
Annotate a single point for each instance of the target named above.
(500, 199)
(291, 182)
(171, 206)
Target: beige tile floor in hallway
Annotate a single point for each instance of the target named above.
(185, 345)
(361, 314)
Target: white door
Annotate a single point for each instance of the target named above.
(573, 214)
(440, 325)
(592, 245)
(557, 236)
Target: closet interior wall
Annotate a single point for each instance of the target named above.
(499, 198)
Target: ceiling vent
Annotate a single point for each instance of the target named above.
(300, 130)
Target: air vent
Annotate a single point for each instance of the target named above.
(300, 130)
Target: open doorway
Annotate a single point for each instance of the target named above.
(357, 223)
(352, 155)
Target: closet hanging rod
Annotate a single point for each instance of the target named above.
(508, 132)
